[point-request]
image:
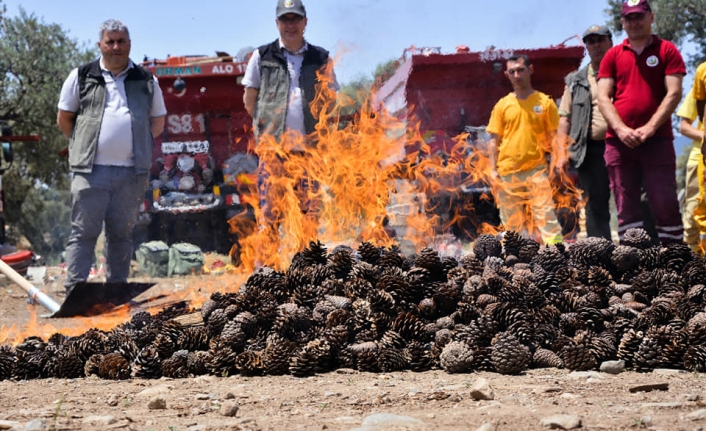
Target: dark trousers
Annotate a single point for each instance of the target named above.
(652, 165)
(593, 180)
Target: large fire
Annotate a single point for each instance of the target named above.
(360, 166)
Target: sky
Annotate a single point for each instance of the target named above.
(361, 33)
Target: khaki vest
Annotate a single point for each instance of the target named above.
(271, 107)
(139, 88)
(581, 112)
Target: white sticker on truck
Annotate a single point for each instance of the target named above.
(185, 147)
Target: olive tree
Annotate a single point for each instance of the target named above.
(35, 58)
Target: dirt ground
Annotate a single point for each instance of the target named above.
(343, 400)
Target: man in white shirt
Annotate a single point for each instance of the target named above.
(110, 109)
(281, 81)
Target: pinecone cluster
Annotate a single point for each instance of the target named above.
(514, 305)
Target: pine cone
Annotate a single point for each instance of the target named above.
(114, 367)
(193, 339)
(196, 362)
(456, 357)
(148, 364)
(625, 258)
(176, 366)
(7, 358)
(509, 356)
(369, 253)
(487, 245)
(550, 258)
(250, 363)
(695, 358)
(92, 365)
(629, 344)
(636, 237)
(513, 242)
(544, 358)
(419, 357)
(578, 357)
(341, 262)
(392, 359)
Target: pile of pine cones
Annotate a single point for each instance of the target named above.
(509, 306)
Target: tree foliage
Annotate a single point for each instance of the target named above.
(46, 222)
(676, 20)
(35, 59)
(353, 94)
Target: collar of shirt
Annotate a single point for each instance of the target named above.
(130, 64)
(301, 50)
(653, 41)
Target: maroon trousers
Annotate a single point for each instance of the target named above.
(652, 164)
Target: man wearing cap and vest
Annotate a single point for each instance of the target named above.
(639, 87)
(585, 127)
(280, 84)
(522, 130)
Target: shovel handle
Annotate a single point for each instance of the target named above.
(34, 293)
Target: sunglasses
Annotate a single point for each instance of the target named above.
(592, 40)
(290, 18)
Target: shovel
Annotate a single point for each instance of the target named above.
(85, 299)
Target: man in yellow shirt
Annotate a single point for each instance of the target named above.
(698, 91)
(694, 171)
(522, 130)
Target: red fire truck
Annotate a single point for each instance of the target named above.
(201, 164)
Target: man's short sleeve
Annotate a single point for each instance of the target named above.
(252, 72)
(495, 124)
(687, 109)
(674, 61)
(699, 88)
(552, 114)
(607, 69)
(158, 107)
(565, 107)
(69, 100)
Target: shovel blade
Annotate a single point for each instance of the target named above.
(91, 299)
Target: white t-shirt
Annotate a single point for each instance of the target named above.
(115, 138)
(294, 118)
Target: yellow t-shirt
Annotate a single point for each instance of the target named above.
(699, 88)
(525, 129)
(688, 110)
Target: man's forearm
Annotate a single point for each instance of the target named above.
(493, 153)
(564, 127)
(687, 129)
(156, 126)
(665, 110)
(250, 99)
(65, 120)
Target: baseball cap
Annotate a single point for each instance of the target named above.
(290, 6)
(599, 30)
(635, 6)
